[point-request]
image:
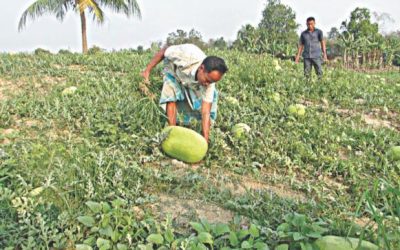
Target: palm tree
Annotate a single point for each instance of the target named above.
(60, 7)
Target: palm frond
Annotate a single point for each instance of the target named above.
(41, 7)
(128, 7)
(93, 7)
(62, 9)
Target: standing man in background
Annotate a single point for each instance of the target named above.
(311, 43)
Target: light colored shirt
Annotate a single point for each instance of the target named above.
(182, 61)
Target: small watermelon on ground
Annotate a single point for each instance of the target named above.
(394, 153)
(297, 110)
(240, 130)
(232, 100)
(331, 242)
(276, 97)
(276, 64)
(69, 90)
(184, 144)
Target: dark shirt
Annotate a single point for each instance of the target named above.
(312, 43)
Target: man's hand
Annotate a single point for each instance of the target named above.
(299, 51)
(143, 86)
(325, 58)
(145, 90)
(146, 75)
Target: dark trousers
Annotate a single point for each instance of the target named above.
(312, 62)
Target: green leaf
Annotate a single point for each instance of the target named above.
(198, 227)
(200, 246)
(86, 220)
(207, 226)
(306, 246)
(118, 203)
(284, 227)
(317, 228)
(94, 206)
(233, 240)
(89, 241)
(282, 247)
(254, 231)
(155, 238)
(107, 231)
(115, 236)
(103, 244)
(105, 221)
(105, 207)
(221, 229)
(246, 245)
(314, 235)
(243, 234)
(146, 247)
(297, 236)
(205, 237)
(122, 246)
(261, 246)
(83, 247)
(299, 220)
(169, 235)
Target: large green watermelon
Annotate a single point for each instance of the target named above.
(331, 242)
(184, 144)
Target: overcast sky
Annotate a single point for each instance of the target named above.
(213, 18)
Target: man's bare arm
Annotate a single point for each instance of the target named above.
(299, 51)
(205, 118)
(323, 46)
(157, 58)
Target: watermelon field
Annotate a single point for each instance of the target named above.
(81, 165)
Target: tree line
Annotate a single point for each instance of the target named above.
(357, 43)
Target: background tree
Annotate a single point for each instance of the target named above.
(248, 39)
(59, 8)
(275, 34)
(333, 48)
(370, 49)
(181, 36)
(360, 24)
(393, 56)
(278, 26)
(219, 43)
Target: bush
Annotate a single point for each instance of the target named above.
(64, 52)
(95, 50)
(40, 51)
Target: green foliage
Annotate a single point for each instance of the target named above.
(40, 51)
(360, 24)
(181, 37)
(218, 43)
(300, 232)
(360, 43)
(64, 52)
(101, 144)
(278, 26)
(276, 33)
(95, 50)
